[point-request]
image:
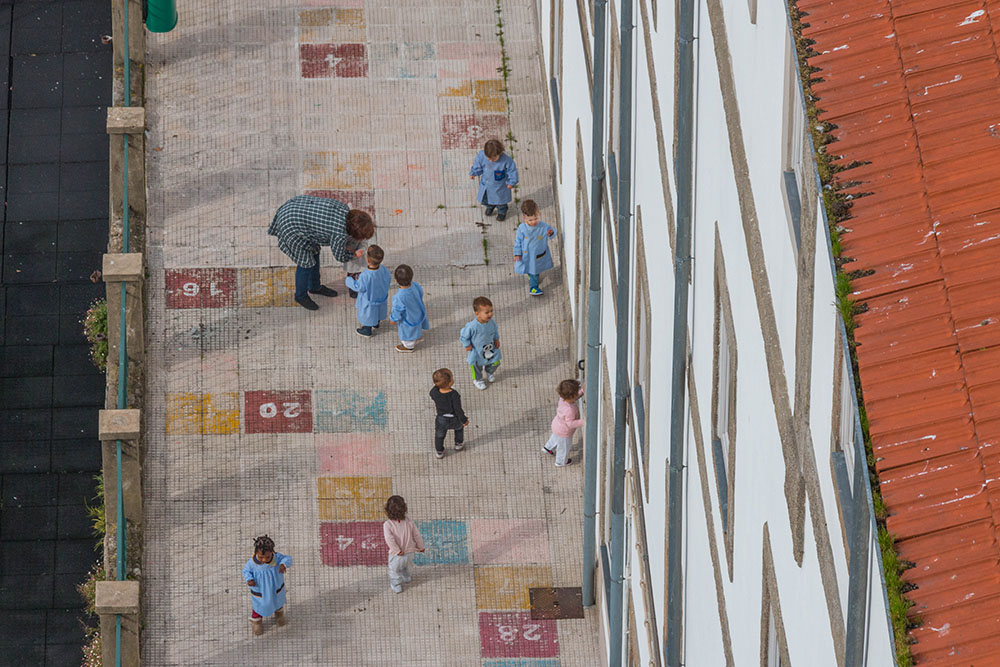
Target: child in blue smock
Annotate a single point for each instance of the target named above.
(408, 312)
(372, 286)
(531, 246)
(265, 575)
(481, 338)
(497, 177)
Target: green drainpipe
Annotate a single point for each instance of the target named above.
(161, 15)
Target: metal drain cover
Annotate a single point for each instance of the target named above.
(556, 603)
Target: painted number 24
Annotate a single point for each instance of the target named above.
(289, 410)
(192, 289)
(508, 633)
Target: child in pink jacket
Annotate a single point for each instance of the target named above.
(566, 422)
(404, 540)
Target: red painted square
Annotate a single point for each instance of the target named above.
(346, 61)
(200, 288)
(515, 635)
(344, 543)
(362, 199)
(472, 131)
(277, 411)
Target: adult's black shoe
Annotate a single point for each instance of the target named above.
(307, 303)
(324, 291)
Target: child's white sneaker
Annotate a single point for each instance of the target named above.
(479, 384)
(491, 377)
(396, 589)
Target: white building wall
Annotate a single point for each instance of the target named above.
(759, 55)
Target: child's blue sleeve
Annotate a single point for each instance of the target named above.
(518, 242)
(512, 173)
(247, 572)
(477, 165)
(465, 335)
(398, 311)
(352, 283)
(284, 559)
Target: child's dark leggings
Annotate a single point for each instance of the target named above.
(501, 208)
(444, 424)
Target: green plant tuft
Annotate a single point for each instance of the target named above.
(95, 328)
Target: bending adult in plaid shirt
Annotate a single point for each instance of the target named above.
(305, 223)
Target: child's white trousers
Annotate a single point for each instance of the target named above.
(399, 569)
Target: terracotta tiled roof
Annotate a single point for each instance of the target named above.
(913, 88)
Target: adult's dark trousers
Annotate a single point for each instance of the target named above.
(307, 279)
(444, 424)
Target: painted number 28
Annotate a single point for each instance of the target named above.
(289, 410)
(192, 289)
(508, 633)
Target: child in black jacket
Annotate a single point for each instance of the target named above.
(450, 415)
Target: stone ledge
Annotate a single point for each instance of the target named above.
(126, 120)
(122, 267)
(117, 597)
(119, 424)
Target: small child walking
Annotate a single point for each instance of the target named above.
(408, 311)
(531, 246)
(372, 286)
(265, 575)
(497, 175)
(450, 416)
(481, 338)
(404, 540)
(566, 421)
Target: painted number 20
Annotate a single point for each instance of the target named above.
(508, 633)
(289, 410)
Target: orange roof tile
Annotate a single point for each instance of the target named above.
(913, 90)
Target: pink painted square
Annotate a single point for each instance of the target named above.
(351, 454)
(200, 288)
(277, 411)
(516, 635)
(496, 541)
(344, 543)
(472, 131)
(320, 61)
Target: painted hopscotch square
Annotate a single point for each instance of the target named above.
(337, 170)
(345, 543)
(499, 541)
(507, 587)
(352, 454)
(264, 287)
(472, 131)
(514, 634)
(200, 288)
(332, 24)
(325, 61)
(275, 411)
(360, 199)
(191, 413)
(345, 498)
(349, 411)
(521, 662)
(445, 542)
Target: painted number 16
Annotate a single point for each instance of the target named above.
(289, 410)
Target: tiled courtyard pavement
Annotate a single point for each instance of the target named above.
(265, 418)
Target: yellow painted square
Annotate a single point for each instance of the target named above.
(506, 586)
(256, 287)
(488, 95)
(351, 17)
(463, 89)
(184, 413)
(342, 498)
(316, 17)
(221, 413)
(329, 170)
(336, 509)
(283, 286)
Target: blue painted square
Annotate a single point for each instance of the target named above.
(349, 411)
(445, 542)
(418, 50)
(521, 662)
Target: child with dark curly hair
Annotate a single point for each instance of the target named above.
(404, 540)
(265, 575)
(566, 421)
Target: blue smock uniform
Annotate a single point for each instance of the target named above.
(532, 244)
(372, 287)
(494, 177)
(268, 595)
(408, 312)
(481, 336)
